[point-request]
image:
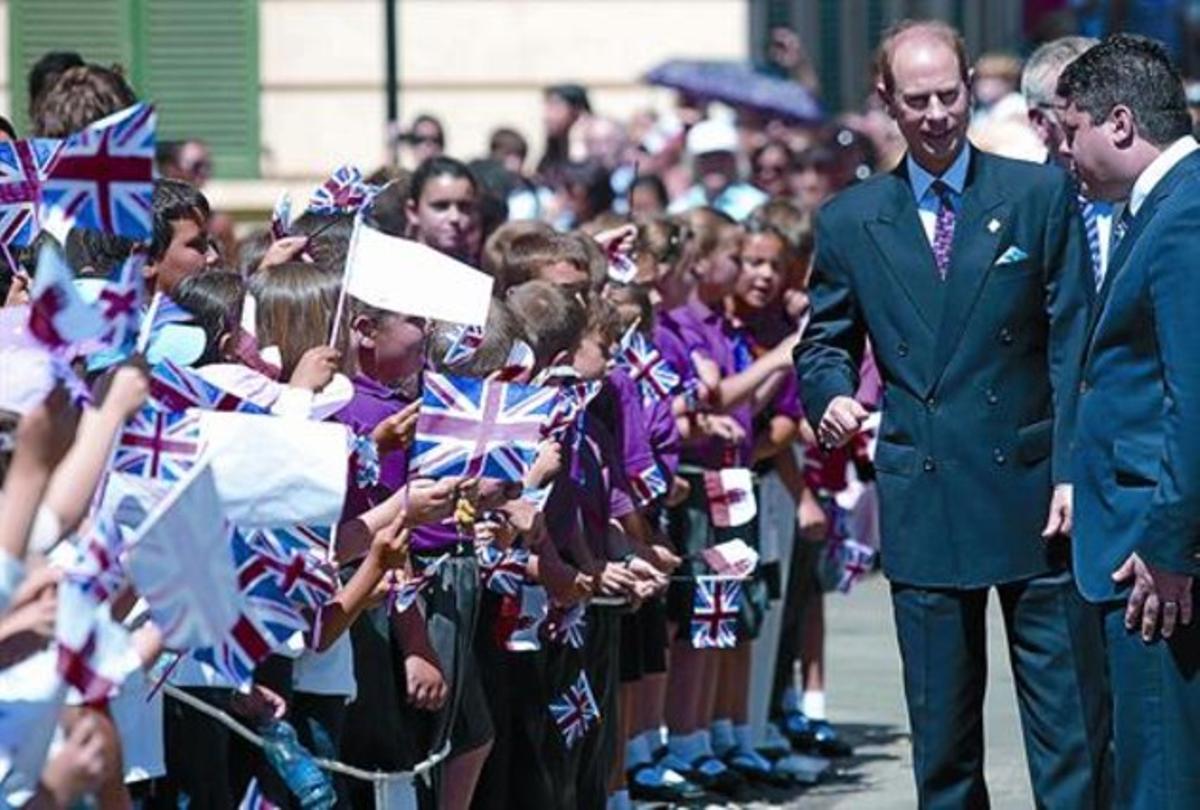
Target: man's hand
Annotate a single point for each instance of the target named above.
(316, 368)
(842, 420)
(426, 685)
(1058, 523)
(1155, 592)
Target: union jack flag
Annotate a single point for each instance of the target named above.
(120, 301)
(344, 191)
(646, 366)
(281, 216)
(58, 315)
(23, 166)
(163, 311)
(266, 620)
(502, 571)
(575, 711)
(566, 625)
(715, 613)
(97, 570)
(518, 366)
(570, 404)
(158, 444)
(402, 599)
(648, 485)
(255, 800)
(176, 388)
(297, 559)
(478, 427)
(853, 561)
(466, 341)
(103, 177)
(95, 654)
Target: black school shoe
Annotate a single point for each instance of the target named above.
(814, 736)
(652, 787)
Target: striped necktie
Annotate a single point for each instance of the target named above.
(1092, 227)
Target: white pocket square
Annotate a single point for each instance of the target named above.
(1013, 254)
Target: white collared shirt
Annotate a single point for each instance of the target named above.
(1158, 169)
(955, 177)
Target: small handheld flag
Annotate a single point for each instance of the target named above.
(575, 711)
(715, 609)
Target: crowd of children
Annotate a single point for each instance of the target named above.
(559, 652)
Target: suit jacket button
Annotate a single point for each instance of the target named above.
(998, 456)
(1006, 336)
(1083, 387)
(930, 402)
(992, 399)
(902, 350)
(929, 465)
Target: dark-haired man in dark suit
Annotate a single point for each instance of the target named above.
(1137, 441)
(968, 273)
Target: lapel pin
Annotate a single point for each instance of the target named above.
(993, 225)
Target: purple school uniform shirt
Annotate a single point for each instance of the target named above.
(371, 404)
(632, 426)
(705, 332)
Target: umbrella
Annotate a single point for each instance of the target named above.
(738, 84)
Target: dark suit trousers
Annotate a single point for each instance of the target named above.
(1055, 646)
(1156, 714)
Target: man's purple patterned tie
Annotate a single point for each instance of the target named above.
(943, 229)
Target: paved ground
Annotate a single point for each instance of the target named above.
(866, 700)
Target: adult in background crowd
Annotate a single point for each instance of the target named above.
(967, 272)
(1137, 484)
(1039, 86)
(713, 147)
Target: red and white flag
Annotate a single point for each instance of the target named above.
(731, 559)
(730, 495)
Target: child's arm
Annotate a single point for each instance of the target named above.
(424, 682)
(809, 513)
(389, 552)
(421, 500)
(776, 439)
(71, 488)
(42, 438)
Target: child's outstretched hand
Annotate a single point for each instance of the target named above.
(282, 251)
(127, 389)
(79, 766)
(398, 430)
(430, 501)
(316, 368)
(547, 465)
(390, 544)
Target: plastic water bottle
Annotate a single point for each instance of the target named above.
(295, 765)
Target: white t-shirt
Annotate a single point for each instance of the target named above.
(327, 673)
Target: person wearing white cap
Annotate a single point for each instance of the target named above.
(713, 146)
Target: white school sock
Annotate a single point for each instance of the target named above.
(687, 747)
(619, 800)
(722, 736)
(636, 753)
(653, 738)
(791, 700)
(813, 705)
